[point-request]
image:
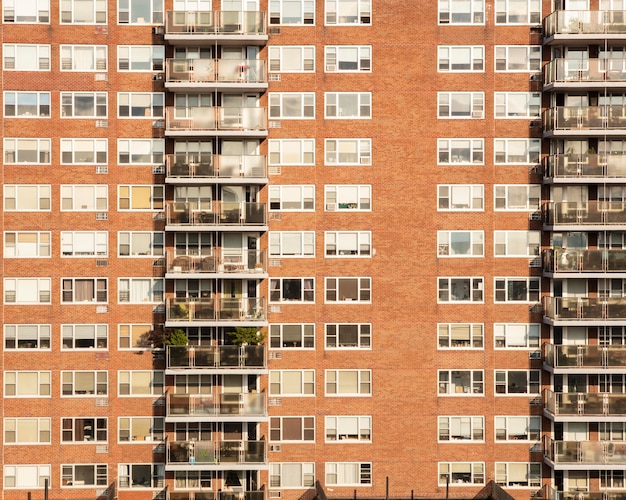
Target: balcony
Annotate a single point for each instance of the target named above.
(224, 27)
(585, 309)
(219, 495)
(235, 214)
(586, 73)
(604, 167)
(219, 405)
(585, 356)
(584, 120)
(579, 26)
(202, 166)
(584, 404)
(237, 121)
(224, 356)
(215, 310)
(587, 213)
(200, 74)
(585, 495)
(195, 453)
(578, 260)
(246, 262)
(585, 452)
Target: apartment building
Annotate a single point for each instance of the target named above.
(419, 205)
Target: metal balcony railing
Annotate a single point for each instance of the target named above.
(227, 404)
(216, 118)
(202, 71)
(584, 308)
(585, 452)
(207, 165)
(584, 356)
(584, 404)
(212, 213)
(585, 70)
(216, 452)
(579, 260)
(246, 262)
(227, 23)
(585, 213)
(571, 166)
(224, 356)
(574, 118)
(215, 309)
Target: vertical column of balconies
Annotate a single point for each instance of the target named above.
(198, 66)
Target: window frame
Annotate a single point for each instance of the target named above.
(127, 149)
(363, 383)
(532, 335)
(502, 203)
(15, 146)
(99, 295)
(156, 109)
(43, 248)
(99, 105)
(363, 59)
(533, 427)
(42, 60)
(476, 340)
(100, 244)
(12, 425)
(502, 244)
(99, 17)
(126, 378)
(503, 62)
(277, 341)
(363, 17)
(276, 16)
(332, 469)
(44, 471)
(72, 333)
(509, 114)
(333, 284)
(363, 248)
(43, 291)
(498, 474)
(501, 379)
(277, 472)
(44, 384)
(100, 475)
(307, 429)
(475, 424)
(156, 14)
(279, 192)
(276, 244)
(69, 151)
(42, 338)
(332, 101)
(476, 387)
(277, 156)
(277, 382)
(157, 429)
(156, 290)
(100, 60)
(363, 336)
(363, 427)
(533, 17)
(156, 199)
(444, 244)
(363, 202)
(445, 10)
(43, 104)
(278, 108)
(332, 152)
(446, 478)
(474, 65)
(306, 58)
(154, 244)
(475, 286)
(307, 294)
(40, 8)
(504, 284)
(446, 199)
(475, 152)
(156, 62)
(445, 100)
(98, 384)
(99, 430)
(501, 156)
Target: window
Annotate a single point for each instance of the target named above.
(348, 474)
(461, 104)
(460, 289)
(348, 289)
(612, 479)
(83, 429)
(460, 151)
(83, 12)
(348, 243)
(291, 151)
(140, 57)
(517, 151)
(82, 475)
(27, 104)
(141, 429)
(461, 12)
(518, 11)
(22, 57)
(140, 290)
(292, 105)
(518, 474)
(461, 473)
(83, 104)
(461, 428)
(460, 335)
(522, 428)
(338, 152)
(517, 243)
(84, 243)
(140, 151)
(84, 151)
(518, 58)
(348, 429)
(461, 382)
(295, 335)
(518, 381)
(77, 290)
(292, 243)
(26, 11)
(348, 382)
(27, 337)
(285, 59)
(27, 151)
(292, 198)
(460, 243)
(84, 383)
(25, 384)
(517, 104)
(350, 12)
(27, 431)
(460, 197)
(140, 104)
(292, 475)
(140, 383)
(84, 337)
(517, 289)
(345, 197)
(27, 290)
(26, 244)
(300, 12)
(461, 59)
(292, 382)
(348, 336)
(347, 58)
(26, 476)
(140, 12)
(292, 429)
(140, 243)
(83, 57)
(520, 197)
(292, 290)
(348, 105)
(140, 197)
(135, 336)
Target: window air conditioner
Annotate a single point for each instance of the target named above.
(331, 207)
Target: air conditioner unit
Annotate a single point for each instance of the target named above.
(275, 31)
(274, 77)
(331, 67)
(331, 207)
(275, 447)
(158, 169)
(535, 78)
(158, 30)
(534, 355)
(159, 77)
(534, 216)
(366, 160)
(274, 494)
(477, 114)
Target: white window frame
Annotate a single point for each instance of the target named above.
(32, 12)
(304, 472)
(130, 337)
(126, 424)
(505, 107)
(306, 201)
(27, 244)
(333, 17)
(95, 335)
(127, 295)
(127, 378)
(99, 295)
(334, 337)
(334, 424)
(447, 11)
(473, 290)
(291, 336)
(98, 148)
(69, 475)
(16, 294)
(445, 242)
(502, 194)
(291, 105)
(333, 289)
(333, 109)
(501, 383)
(454, 428)
(100, 383)
(277, 15)
(503, 16)
(503, 286)
(470, 151)
(17, 104)
(125, 16)
(302, 62)
(15, 426)
(506, 59)
(339, 152)
(453, 198)
(307, 290)
(128, 105)
(127, 63)
(503, 423)
(22, 198)
(303, 149)
(70, 62)
(347, 244)
(460, 336)
(336, 56)
(98, 10)
(135, 151)
(339, 474)
(448, 387)
(307, 429)
(72, 104)
(97, 427)
(16, 148)
(84, 244)
(449, 56)
(43, 387)
(291, 244)
(277, 382)
(533, 474)
(125, 203)
(361, 378)
(14, 53)
(506, 244)
(446, 106)
(503, 155)
(12, 474)
(531, 335)
(447, 471)
(340, 198)
(27, 336)
(156, 247)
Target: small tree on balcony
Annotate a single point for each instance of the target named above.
(175, 337)
(247, 335)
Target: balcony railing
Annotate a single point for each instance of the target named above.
(215, 70)
(224, 356)
(585, 213)
(215, 452)
(578, 260)
(215, 213)
(585, 118)
(229, 23)
(570, 166)
(214, 309)
(206, 165)
(584, 356)
(191, 405)
(219, 495)
(586, 70)
(585, 22)
(584, 404)
(216, 118)
(585, 452)
(585, 308)
(246, 262)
